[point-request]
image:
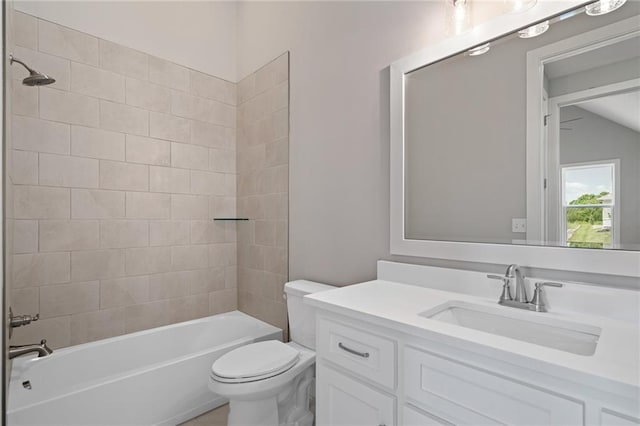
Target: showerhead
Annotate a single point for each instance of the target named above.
(35, 78)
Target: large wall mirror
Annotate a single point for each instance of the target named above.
(528, 152)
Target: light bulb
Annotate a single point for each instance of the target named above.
(603, 7)
(479, 50)
(534, 30)
(458, 17)
(520, 5)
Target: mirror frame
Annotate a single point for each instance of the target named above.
(610, 262)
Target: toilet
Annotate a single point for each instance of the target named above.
(267, 383)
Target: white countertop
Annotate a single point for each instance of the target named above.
(397, 307)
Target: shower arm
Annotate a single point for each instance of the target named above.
(13, 59)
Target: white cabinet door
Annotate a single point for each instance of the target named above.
(464, 394)
(343, 401)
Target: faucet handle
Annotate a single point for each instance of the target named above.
(506, 289)
(537, 304)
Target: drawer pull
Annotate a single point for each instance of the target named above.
(352, 351)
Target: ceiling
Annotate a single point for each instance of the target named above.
(623, 109)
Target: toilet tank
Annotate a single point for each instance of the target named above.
(302, 320)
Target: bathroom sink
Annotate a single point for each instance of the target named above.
(531, 327)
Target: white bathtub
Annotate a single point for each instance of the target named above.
(152, 377)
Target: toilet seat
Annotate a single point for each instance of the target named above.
(253, 362)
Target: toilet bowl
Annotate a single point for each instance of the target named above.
(268, 383)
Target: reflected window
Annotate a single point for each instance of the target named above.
(589, 205)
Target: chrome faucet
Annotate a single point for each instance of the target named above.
(513, 272)
(521, 301)
(42, 349)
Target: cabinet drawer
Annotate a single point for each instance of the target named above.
(463, 394)
(344, 401)
(414, 417)
(362, 353)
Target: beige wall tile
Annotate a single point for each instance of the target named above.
(96, 82)
(68, 43)
(231, 277)
(144, 205)
(124, 233)
(147, 95)
(222, 255)
(209, 135)
(151, 260)
(57, 331)
(272, 74)
(223, 207)
(24, 100)
(96, 204)
(91, 326)
(201, 281)
(185, 258)
(277, 152)
(168, 74)
(167, 233)
(187, 308)
(25, 30)
(124, 176)
(207, 183)
(124, 292)
(148, 151)
(39, 135)
(97, 264)
(54, 66)
(189, 207)
(246, 88)
(207, 232)
(97, 143)
(165, 179)
(222, 160)
(280, 123)
(34, 202)
(40, 269)
(165, 126)
(207, 86)
(62, 170)
(223, 301)
(67, 235)
(24, 168)
(167, 286)
(25, 236)
(25, 301)
(124, 118)
(123, 60)
(67, 107)
(145, 316)
(189, 156)
(265, 233)
(58, 300)
(187, 106)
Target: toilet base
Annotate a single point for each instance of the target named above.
(259, 413)
(290, 407)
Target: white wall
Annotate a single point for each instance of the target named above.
(200, 35)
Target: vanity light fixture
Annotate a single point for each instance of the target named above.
(479, 50)
(458, 16)
(518, 6)
(534, 30)
(603, 7)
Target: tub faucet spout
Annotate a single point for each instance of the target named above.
(42, 349)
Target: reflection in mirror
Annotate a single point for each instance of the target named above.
(465, 157)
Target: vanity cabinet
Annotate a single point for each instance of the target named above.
(370, 375)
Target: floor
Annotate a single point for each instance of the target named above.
(217, 417)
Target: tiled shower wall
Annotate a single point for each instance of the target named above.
(263, 191)
(116, 172)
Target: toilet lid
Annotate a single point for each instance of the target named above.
(255, 361)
